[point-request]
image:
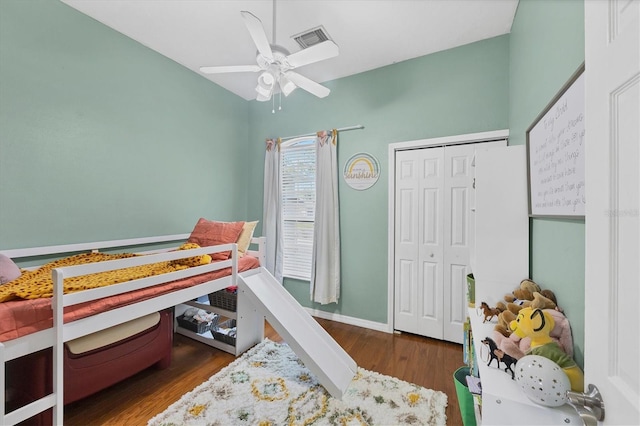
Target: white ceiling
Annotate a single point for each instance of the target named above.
(369, 33)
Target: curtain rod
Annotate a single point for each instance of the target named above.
(343, 129)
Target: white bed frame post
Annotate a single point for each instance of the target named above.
(261, 253)
(2, 383)
(57, 304)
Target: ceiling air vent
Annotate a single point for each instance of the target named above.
(310, 37)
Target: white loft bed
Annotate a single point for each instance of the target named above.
(61, 332)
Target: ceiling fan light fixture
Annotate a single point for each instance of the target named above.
(263, 92)
(263, 98)
(266, 79)
(266, 83)
(287, 86)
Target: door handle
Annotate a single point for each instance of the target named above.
(589, 406)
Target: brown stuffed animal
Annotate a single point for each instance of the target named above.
(504, 319)
(530, 285)
(544, 300)
(527, 294)
(521, 296)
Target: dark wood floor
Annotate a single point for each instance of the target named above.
(426, 362)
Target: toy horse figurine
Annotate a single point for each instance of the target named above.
(499, 356)
(489, 312)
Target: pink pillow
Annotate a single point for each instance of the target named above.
(211, 233)
(9, 271)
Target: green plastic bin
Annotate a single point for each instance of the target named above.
(465, 399)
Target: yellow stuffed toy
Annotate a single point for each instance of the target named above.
(537, 324)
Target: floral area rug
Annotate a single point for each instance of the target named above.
(269, 385)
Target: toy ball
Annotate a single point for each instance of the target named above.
(542, 380)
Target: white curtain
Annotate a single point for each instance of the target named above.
(271, 213)
(325, 266)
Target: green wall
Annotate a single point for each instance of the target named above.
(102, 138)
(462, 90)
(546, 48)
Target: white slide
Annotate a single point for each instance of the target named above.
(314, 346)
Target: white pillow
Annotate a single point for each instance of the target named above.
(9, 271)
(244, 239)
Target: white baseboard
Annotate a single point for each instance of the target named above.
(378, 326)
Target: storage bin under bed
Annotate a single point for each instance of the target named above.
(30, 377)
(224, 299)
(196, 326)
(218, 334)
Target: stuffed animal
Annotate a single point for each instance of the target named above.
(504, 319)
(527, 294)
(530, 285)
(517, 347)
(537, 324)
(538, 301)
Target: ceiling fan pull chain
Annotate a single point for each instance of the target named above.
(280, 101)
(273, 105)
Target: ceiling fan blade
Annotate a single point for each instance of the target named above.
(308, 84)
(318, 52)
(231, 68)
(256, 30)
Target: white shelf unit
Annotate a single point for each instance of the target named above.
(249, 322)
(207, 337)
(503, 402)
(501, 261)
(249, 325)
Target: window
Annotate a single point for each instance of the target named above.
(298, 180)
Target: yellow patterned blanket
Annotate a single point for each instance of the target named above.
(39, 283)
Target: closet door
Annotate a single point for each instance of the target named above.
(434, 237)
(418, 242)
(458, 189)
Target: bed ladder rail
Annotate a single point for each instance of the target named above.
(26, 411)
(319, 352)
(29, 410)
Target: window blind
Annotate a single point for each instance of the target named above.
(298, 207)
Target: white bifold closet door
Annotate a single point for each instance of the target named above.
(433, 238)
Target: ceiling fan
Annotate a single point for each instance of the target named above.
(275, 63)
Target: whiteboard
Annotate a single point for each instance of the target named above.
(555, 154)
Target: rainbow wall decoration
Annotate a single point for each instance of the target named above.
(361, 171)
